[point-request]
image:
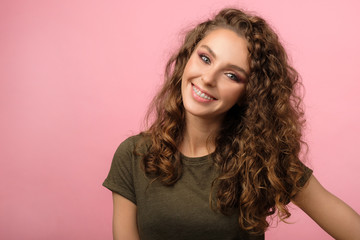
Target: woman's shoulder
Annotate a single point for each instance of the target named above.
(139, 143)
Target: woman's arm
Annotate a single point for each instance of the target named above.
(332, 214)
(124, 219)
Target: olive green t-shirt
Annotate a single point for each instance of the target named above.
(178, 212)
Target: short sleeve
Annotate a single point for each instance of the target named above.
(307, 174)
(120, 177)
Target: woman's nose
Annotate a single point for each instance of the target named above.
(209, 78)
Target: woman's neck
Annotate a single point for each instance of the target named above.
(199, 136)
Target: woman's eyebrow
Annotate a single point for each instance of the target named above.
(209, 49)
(240, 69)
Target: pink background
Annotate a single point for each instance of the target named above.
(76, 77)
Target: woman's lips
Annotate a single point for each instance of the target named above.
(201, 95)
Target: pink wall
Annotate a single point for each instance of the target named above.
(76, 77)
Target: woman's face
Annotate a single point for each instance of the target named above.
(215, 76)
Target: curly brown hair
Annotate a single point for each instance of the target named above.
(258, 146)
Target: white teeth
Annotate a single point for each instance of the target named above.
(201, 94)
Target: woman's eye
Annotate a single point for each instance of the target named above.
(205, 59)
(232, 77)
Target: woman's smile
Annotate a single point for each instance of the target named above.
(201, 95)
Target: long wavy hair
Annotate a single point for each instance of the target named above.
(258, 146)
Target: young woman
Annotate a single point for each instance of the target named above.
(222, 154)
